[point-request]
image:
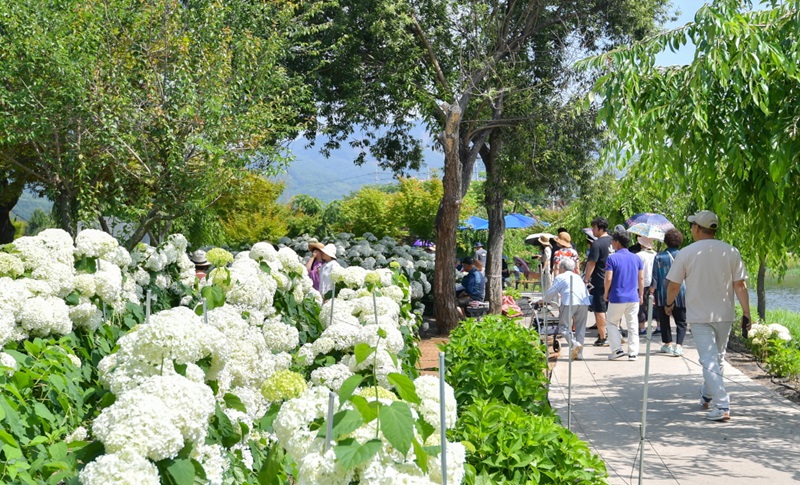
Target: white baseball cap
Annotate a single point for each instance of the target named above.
(705, 219)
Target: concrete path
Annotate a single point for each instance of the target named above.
(759, 445)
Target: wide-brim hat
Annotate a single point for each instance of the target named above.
(564, 239)
(312, 245)
(544, 240)
(330, 250)
(199, 258)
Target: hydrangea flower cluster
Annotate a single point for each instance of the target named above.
(44, 293)
(166, 267)
(759, 333)
(369, 253)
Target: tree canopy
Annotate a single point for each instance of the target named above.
(724, 128)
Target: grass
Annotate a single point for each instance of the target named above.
(788, 319)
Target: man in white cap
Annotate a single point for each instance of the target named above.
(328, 254)
(713, 272)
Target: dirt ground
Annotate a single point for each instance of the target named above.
(737, 356)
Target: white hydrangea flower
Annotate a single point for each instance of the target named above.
(141, 423)
(59, 277)
(317, 468)
(428, 391)
(292, 422)
(13, 296)
(331, 377)
(86, 315)
(156, 261)
(780, 331)
(291, 261)
(32, 252)
(92, 243)
(393, 341)
(380, 361)
(58, 244)
(456, 458)
(123, 468)
(279, 336)
(263, 251)
(178, 241)
(85, 284)
(108, 282)
(141, 276)
(352, 277)
(191, 403)
(7, 325)
(79, 434)
(11, 265)
(120, 257)
(9, 361)
(213, 460)
(251, 288)
(42, 316)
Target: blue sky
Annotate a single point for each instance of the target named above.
(687, 10)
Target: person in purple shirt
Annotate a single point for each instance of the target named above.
(624, 292)
(315, 262)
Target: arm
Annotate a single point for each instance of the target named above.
(609, 276)
(589, 270)
(310, 261)
(641, 287)
(672, 292)
(740, 288)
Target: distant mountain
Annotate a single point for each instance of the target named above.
(337, 176)
(28, 203)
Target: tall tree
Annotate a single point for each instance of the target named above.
(723, 128)
(145, 111)
(445, 61)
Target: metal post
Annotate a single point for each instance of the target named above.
(375, 306)
(643, 427)
(333, 299)
(443, 419)
(147, 306)
(571, 344)
(205, 311)
(329, 429)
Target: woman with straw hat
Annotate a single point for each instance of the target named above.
(315, 262)
(564, 251)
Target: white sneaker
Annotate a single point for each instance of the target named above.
(719, 414)
(576, 352)
(617, 355)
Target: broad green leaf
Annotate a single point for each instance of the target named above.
(420, 456)
(368, 409)
(344, 423)
(397, 425)
(214, 296)
(12, 452)
(350, 454)
(362, 351)
(348, 386)
(405, 387)
(233, 402)
(182, 471)
(43, 412)
(58, 451)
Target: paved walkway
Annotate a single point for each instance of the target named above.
(759, 445)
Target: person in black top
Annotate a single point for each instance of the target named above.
(596, 274)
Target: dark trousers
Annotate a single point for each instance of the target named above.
(679, 314)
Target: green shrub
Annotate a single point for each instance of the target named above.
(506, 444)
(783, 358)
(496, 358)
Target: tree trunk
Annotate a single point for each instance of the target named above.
(446, 224)
(497, 225)
(10, 192)
(65, 209)
(761, 293)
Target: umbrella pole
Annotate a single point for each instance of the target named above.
(643, 427)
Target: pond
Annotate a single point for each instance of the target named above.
(784, 295)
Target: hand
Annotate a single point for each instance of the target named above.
(746, 325)
(668, 309)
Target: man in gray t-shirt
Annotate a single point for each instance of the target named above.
(713, 272)
(480, 254)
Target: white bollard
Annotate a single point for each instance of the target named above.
(329, 430)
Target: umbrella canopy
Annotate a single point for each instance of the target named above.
(589, 233)
(647, 230)
(656, 220)
(519, 221)
(534, 238)
(419, 243)
(475, 222)
(522, 265)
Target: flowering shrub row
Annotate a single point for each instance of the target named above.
(773, 345)
(235, 394)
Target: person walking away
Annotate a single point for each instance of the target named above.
(473, 283)
(569, 286)
(647, 254)
(329, 257)
(315, 262)
(658, 288)
(565, 250)
(713, 271)
(624, 292)
(544, 263)
(480, 254)
(594, 277)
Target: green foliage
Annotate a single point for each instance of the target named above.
(415, 206)
(722, 129)
(506, 444)
(369, 210)
(20, 228)
(496, 358)
(40, 220)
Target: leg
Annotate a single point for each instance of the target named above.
(708, 347)
(632, 319)
(599, 306)
(664, 324)
(615, 314)
(579, 314)
(679, 314)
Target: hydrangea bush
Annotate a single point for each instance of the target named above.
(211, 386)
(369, 253)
